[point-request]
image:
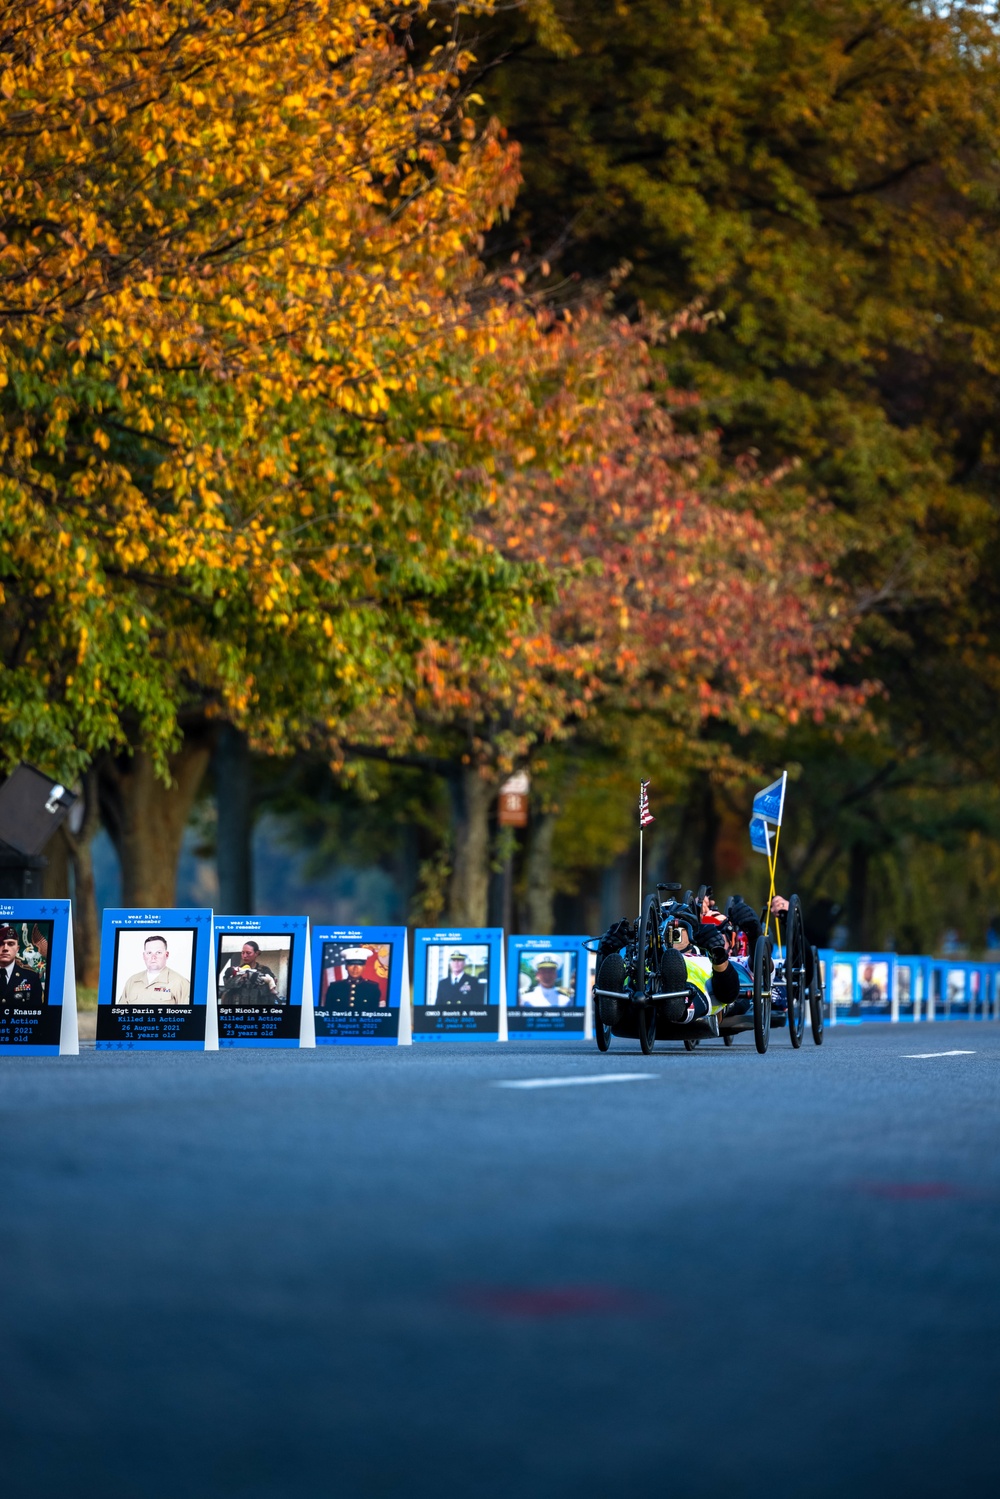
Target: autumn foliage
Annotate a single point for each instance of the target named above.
(661, 583)
(276, 450)
(232, 237)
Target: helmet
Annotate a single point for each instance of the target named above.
(681, 915)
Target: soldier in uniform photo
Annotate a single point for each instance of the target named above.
(546, 994)
(156, 984)
(19, 985)
(249, 981)
(459, 987)
(354, 992)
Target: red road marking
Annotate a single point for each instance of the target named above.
(545, 1302)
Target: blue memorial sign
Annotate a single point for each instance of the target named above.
(458, 985)
(874, 986)
(859, 986)
(157, 985)
(955, 989)
(263, 981)
(546, 986)
(361, 980)
(37, 978)
(910, 990)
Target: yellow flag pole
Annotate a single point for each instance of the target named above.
(772, 860)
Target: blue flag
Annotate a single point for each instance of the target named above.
(760, 836)
(770, 803)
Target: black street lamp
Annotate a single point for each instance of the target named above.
(32, 807)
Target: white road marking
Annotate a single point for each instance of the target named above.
(576, 1082)
(923, 1056)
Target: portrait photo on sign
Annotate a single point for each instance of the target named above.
(24, 962)
(873, 981)
(546, 980)
(355, 976)
(457, 976)
(153, 965)
(842, 987)
(253, 969)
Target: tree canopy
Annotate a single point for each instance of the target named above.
(233, 239)
(822, 179)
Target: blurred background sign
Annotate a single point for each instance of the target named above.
(512, 808)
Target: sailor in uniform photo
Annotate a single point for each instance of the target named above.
(156, 984)
(354, 992)
(19, 985)
(459, 987)
(546, 994)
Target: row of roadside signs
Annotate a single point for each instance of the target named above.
(191, 980)
(901, 987)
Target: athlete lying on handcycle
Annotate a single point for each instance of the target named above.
(697, 977)
(712, 947)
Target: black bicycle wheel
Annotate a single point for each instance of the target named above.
(795, 972)
(691, 1043)
(728, 1037)
(816, 1000)
(761, 995)
(609, 1011)
(648, 977)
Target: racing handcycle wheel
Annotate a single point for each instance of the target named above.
(761, 995)
(691, 1042)
(650, 952)
(796, 957)
(816, 999)
(728, 1037)
(610, 976)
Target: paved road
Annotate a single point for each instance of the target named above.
(377, 1273)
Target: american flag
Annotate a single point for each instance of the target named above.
(645, 815)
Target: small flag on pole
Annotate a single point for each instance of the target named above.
(770, 803)
(645, 815)
(760, 836)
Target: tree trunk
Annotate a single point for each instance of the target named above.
(538, 894)
(858, 919)
(55, 877)
(468, 890)
(234, 833)
(710, 824)
(146, 819)
(70, 875)
(86, 925)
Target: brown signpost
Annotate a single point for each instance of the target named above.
(512, 807)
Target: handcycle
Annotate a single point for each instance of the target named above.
(629, 996)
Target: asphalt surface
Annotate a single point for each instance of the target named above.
(368, 1272)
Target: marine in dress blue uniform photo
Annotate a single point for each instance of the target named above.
(345, 985)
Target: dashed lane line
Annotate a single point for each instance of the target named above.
(925, 1056)
(575, 1082)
